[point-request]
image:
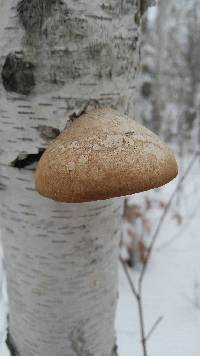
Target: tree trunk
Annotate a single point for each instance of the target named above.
(160, 37)
(56, 58)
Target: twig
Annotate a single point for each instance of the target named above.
(130, 281)
(155, 325)
(137, 292)
(184, 226)
(138, 296)
(142, 324)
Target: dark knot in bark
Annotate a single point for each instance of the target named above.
(24, 160)
(17, 75)
(32, 13)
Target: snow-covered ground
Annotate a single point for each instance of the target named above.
(172, 281)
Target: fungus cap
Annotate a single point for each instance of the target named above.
(103, 154)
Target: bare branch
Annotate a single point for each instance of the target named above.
(155, 325)
(138, 297)
(131, 283)
(142, 324)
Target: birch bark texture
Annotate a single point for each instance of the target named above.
(56, 57)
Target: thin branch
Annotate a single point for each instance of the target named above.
(138, 297)
(142, 325)
(155, 325)
(131, 283)
(184, 226)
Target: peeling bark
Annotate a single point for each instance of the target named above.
(59, 58)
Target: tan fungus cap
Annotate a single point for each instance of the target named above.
(103, 154)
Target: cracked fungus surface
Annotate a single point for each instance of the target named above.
(103, 154)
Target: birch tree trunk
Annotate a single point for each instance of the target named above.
(56, 57)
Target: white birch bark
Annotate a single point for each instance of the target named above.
(62, 272)
(56, 56)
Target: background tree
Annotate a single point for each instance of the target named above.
(169, 88)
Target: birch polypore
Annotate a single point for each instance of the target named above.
(102, 155)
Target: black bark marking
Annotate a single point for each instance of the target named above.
(2, 186)
(32, 13)
(90, 105)
(142, 6)
(145, 4)
(23, 159)
(17, 75)
(115, 351)
(11, 346)
(146, 89)
(47, 132)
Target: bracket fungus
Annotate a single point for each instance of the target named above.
(101, 156)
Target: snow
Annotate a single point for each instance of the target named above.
(171, 284)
